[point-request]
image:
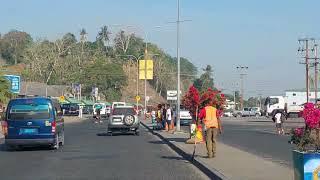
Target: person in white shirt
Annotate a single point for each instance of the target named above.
(278, 120)
(169, 117)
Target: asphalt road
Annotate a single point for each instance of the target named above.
(90, 154)
(258, 136)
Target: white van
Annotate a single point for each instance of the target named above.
(103, 112)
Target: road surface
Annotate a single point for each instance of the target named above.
(90, 154)
(258, 136)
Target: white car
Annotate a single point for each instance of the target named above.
(227, 114)
(103, 110)
(118, 104)
(185, 117)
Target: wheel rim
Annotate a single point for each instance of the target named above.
(129, 120)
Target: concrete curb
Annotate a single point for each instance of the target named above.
(210, 172)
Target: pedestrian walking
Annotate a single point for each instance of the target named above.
(279, 119)
(80, 111)
(211, 120)
(169, 117)
(164, 117)
(98, 114)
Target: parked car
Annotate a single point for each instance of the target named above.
(87, 110)
(256, 111)
(32, 122)
(123, 119)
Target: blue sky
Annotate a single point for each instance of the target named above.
(259, 34)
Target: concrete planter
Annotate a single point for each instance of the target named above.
(306, 165)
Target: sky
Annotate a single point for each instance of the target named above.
(262, 35)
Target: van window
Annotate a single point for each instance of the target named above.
(29, 111)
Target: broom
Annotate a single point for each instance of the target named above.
(195, 139)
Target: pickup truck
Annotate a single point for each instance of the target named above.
(254, 111)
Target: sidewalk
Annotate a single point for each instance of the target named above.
(230, 163)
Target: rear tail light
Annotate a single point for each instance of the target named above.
(53, 126)
(4, 125)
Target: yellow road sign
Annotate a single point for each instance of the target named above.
(61, 98)
(138, 98)
(143, 66)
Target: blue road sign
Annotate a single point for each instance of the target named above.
(14, 82)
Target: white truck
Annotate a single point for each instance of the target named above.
(292, 106)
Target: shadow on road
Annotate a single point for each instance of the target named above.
(175, 158)
(22, 149)
(115, 134)
(157, 142)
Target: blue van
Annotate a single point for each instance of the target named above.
(32, 122)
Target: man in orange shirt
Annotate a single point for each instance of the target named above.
(209, 115)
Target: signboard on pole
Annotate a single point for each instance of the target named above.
(149, 72)
(15, 83)
(172, 95)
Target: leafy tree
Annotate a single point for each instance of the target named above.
(109, 78)
(5, 93)
(13, 45)
(103, 36)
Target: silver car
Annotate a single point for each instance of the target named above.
(123, 119)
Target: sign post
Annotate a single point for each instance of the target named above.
(15, 83)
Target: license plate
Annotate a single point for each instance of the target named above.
(117, 119)
(28, 131)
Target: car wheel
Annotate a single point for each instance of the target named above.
(257, 115)
(128, 120)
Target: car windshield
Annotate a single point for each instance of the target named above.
(123, 111)
(29, 111)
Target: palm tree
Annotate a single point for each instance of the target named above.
(104, 35)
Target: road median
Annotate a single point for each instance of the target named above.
(230, 163)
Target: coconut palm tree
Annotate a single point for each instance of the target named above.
(104, 35)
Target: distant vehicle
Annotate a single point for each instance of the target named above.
(257, 111)
(227, 114)
(32, 122)
(87, 110)
(246, 112)
(123, 119)
(185, 117)
(70, 109)
(117, 104)
(103, 112)
(284, 104)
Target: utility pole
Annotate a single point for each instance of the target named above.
(305, 49)
(315, 49)
(178, 59)
(242, 70)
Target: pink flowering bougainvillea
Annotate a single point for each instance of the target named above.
(311, 116)
(191, 100)
(302, 136)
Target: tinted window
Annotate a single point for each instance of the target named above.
(123, 111)
(29, 111)
(246, 109)
(274, 101)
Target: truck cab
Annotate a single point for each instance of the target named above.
(273, 104)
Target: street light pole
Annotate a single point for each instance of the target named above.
(178, 59)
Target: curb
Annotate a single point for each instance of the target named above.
(211, 173)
